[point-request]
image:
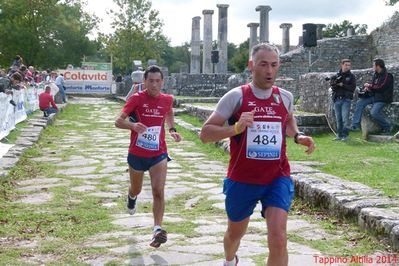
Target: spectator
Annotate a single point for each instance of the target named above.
(379, 93)
(59, 81)
(9, 83)
(2, 73)
(138, 85)
(16, 64)
(343, 85)
(118, 78)
(45, 99)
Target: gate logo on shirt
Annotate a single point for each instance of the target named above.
(153, 111)
(268, 110)
(251, 104)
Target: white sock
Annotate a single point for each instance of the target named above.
(230, 263)
(132, 198)
(157, 227)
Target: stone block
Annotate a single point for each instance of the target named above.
(8, 163)
(394, 237)
(369, 126)
(380, 138)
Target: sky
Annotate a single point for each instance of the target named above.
(177, 16)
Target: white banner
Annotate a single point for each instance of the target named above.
(19, 99)
(7, 117)
(31, 100)
(87, 81)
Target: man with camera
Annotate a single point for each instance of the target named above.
(343, 85)
(378, 92)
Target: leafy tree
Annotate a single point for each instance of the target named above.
(138, 34)
(391, 2)
(177, 58)
(238, 59)
(340, 30)
(50, 33)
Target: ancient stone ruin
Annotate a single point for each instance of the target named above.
(303, 70)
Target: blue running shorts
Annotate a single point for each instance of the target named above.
(142, 163)
(241, 198)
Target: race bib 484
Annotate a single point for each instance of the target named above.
(264, 141)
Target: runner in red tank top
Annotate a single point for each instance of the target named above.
(260, 116)
(149, 110)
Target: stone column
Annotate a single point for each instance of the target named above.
(319, 31)
(300, 40)
(286, 37)
(350, 32)
(207, 46)
(195, 66)
(253, 36)
(264, 23)
(221, 67)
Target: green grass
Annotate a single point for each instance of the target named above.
(192, 120)
(373, 164)
(67, 222)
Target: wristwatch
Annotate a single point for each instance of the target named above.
(172, 129)
(296, 136)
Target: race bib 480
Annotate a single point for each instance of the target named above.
(149, 140)
(264, 141)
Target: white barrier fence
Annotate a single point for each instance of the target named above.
(26, 101)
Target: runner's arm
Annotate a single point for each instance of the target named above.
(122, 123)
(292, 131)
(170, 121)
(214, 130)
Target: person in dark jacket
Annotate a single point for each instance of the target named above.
(343, 85)
(380, 91)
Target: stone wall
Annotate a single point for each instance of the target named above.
(204, 85)
(386, 40)
(327, 55)
(314, 91)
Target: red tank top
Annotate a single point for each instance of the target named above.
(258, 155)
(150, 111)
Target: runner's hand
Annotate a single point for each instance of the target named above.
(176, 136)
(308, 142)
(139, 127)
(246, 120)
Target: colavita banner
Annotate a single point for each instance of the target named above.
(87, 81)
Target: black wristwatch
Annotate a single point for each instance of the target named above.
(172, 129)
(296, 136)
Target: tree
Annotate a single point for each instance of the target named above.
(340, 30)
(391, 2)
(177, 58)
(49, 33)
(138, 34)
(238, 59)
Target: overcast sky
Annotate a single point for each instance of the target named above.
(177, 15)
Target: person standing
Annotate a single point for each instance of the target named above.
(148, 151)
(259, 116)
(138, 85)
(59, 81)
(343, 85)
(380, 92)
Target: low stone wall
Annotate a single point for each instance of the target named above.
(369, 126)
(315, 97)
(326, 56)
(205, 85)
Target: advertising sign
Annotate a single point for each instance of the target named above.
(87, 81)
